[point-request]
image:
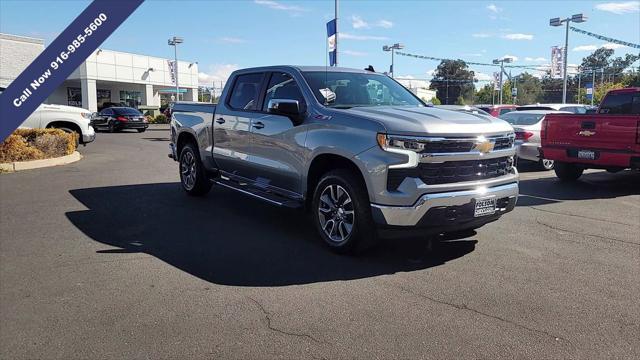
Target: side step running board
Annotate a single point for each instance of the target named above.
(259, 194)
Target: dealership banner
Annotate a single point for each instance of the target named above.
(72, 47)
(557, 62)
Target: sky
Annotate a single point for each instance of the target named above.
(226, 35)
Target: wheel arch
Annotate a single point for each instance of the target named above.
(63, 123)
(323, 163)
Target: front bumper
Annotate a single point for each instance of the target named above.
(131, 125)
(88, 136)
(439, 210)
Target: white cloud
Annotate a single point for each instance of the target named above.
(518, 36)
(292, 9)
(538, 59)
(354, 53)
(482, 76)
(231, 40)
(216, 73)
(358, 22)
(596, 47)
(493, 8)
(512, 57)
(481, 35)
(349, 36)
(620, 7)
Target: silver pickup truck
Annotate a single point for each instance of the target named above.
(355, 148)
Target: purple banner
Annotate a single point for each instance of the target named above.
(72, 47)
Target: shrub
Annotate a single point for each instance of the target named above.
(34, 144)
(160, 119)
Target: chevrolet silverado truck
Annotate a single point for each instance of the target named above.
(355, 148)
(609, 139)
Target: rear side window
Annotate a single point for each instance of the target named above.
(504, 111)
(617, 104)
(244, 95)
(282, 86)
(126, 111)
(106, 112)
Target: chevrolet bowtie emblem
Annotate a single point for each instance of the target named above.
(484, 146)
(586, 133)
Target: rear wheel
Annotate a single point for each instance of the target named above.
(546, 164)
(568, 172)
(342, 212)
(192, 174)
(141, 130)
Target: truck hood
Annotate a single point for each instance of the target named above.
(407, 120)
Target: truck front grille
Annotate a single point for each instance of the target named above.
(451, 171)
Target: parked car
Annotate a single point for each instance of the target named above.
(67, 118)
(497, 110)
(464, 108)
(572, 108)
(119, 118)
(110, 104)
(364, 165)
(607, 140)
(527, 125)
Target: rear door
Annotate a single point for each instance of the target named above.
(275, 155)
(232, 124)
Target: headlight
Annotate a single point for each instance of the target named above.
(399, 145)
(86, 115)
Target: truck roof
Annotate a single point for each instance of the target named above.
(304, 68)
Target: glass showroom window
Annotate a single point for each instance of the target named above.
(131, 98)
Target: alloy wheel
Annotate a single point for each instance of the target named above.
(547, 164)
(188, 170)
(336, 213)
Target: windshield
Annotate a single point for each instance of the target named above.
(346, 90)
(126, 111)
(516, 118)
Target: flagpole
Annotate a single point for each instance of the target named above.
(336, 42)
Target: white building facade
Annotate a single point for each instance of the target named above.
(107, 77)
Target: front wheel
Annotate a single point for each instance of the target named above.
(546, 164)
(192, 174)
(141, 130)
(342, 212)
(568, 172)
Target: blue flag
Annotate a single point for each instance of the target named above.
(73, 46)
(331, 41)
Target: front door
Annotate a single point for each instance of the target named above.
(276, 156)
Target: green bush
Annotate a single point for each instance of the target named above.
(34, 144)
(159, 119)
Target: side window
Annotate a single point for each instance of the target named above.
(244, 95)
(282, 86)
(619, 104)
(635, 105)
(570, 109)
(504, 111)
(106, 112)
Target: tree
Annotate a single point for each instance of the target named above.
(600, 92)
(435, 101)
(529, 89)
(452, 79)
(485, 95)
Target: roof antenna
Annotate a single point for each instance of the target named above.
(370, 68)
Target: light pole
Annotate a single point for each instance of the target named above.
(577, 18)
(396, 46)
(174, 42)
(501, 62)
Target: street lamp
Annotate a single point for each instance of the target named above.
(174, 42)
(501, 62)
(577, 18)
(396, 46)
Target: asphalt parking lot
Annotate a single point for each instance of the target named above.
(108, 258)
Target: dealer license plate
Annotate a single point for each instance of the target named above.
(486, 206)
(586, 154)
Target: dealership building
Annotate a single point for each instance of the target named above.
(105, 77)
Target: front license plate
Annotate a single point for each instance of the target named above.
(486, 206)
(586, 154)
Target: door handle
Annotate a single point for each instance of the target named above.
(258, 125)
(220, 120)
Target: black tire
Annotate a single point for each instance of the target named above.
(546, 164)
(141, 130)
(192, 174)
(568, 172)
(362, 234)
(112, 127)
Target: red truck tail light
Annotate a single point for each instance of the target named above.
(122, 118)
(523, 135)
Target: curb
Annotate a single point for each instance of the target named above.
(36, 164)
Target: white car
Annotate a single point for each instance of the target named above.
(67, 118)
(527, 125)
(572, 108)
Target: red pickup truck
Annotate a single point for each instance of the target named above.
(609, 139)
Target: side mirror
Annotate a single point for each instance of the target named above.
(287, 107)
